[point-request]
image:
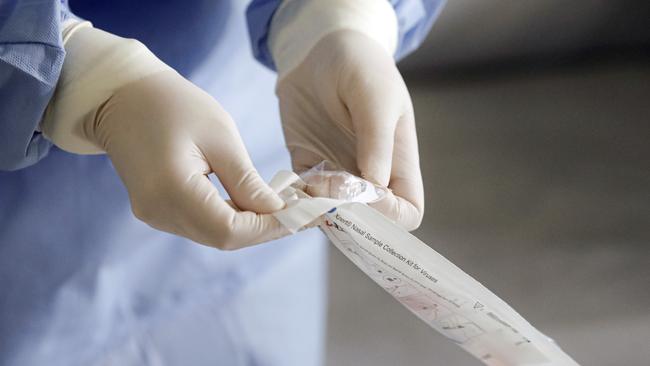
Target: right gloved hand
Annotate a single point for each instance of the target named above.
(164, 136)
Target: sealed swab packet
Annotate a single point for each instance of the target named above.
(426, 283)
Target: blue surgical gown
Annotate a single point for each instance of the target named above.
(82, 282)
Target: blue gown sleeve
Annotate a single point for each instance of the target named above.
(415, 18)
(31, 57)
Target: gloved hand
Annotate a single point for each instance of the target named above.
(346, 103)
(164, 136)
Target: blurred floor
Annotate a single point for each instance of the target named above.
(538, 186)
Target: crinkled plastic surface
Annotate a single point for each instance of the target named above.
(318, 190)
(324, 180)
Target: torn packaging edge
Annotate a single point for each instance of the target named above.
(301, 208)
(501, 326)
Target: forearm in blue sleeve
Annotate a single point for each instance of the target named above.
(31, 57)
(415, 19)
(258, 17)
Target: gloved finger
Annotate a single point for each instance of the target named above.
(398, 209)
(406, 203)
(207, 218)
(303, 159)
(374, 111)
(232, 165)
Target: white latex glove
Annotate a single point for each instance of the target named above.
(164, 136)
(346, 103)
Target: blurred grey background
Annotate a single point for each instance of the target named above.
(534, 126)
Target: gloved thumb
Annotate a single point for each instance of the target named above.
(248, 190)
(374, 118)
(232, 165)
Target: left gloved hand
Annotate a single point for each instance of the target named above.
(346, 103)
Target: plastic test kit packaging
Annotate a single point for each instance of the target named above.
(430, 286)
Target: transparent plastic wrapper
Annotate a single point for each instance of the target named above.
(430, 286)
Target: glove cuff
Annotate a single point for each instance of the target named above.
(97, 63)
(299, 24)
